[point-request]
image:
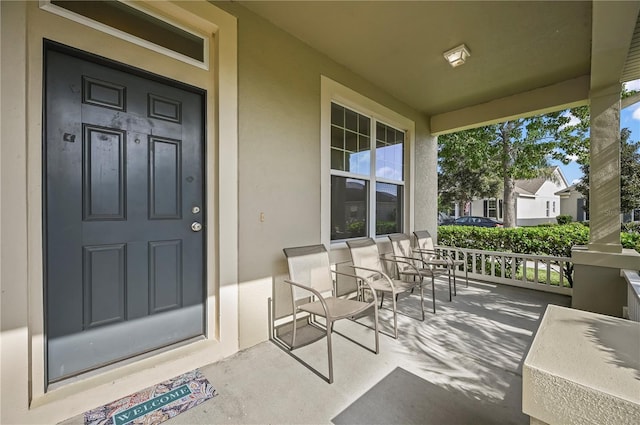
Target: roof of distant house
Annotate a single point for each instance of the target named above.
(529, 187)
(532, 186)
(568, 191)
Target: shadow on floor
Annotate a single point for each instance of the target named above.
(404, 398)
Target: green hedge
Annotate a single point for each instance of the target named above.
(632, 227)
(554, 240)
(631, 240)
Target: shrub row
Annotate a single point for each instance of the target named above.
(631, 240)
(632, 227)
(564, 219)
(552, 240)
(555, 240)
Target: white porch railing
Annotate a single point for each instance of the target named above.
(539, 272)
(633, 294)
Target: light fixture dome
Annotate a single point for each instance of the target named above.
(457, 56)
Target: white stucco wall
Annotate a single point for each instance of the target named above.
(532, 211)
(569, 206)
(279, 158)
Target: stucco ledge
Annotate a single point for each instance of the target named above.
(582, 368)
(627, 259)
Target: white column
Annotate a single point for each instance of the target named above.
(604, 175)
(425, 181)
(597, 285)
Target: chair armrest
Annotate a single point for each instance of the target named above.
(453, 258)
(383, 275)
(313, 291)
(427, 251)
(413, 266)
(368, 269)
(449, 248)
(403, 260)
(409, 262)
(363, 280)
(400, 258)
(437, 254)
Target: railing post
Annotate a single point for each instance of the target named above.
(489, 258)
(548, 265)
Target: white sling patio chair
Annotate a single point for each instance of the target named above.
(425, 245)
(368, 264)
(401, 245)
(311, 279)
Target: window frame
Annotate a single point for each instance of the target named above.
(143, 8)
(497, 208)
(334, 92)
(547, 208)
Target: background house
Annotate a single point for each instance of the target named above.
(572, 203)
(537, 201)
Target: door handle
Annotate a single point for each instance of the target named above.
(196, 227)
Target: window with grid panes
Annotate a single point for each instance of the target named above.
(367, 175)
(547, 208)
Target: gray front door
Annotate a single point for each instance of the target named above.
(124, 186)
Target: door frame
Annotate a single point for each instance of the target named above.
(30, 26)
(52, 46)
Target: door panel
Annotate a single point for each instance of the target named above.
(104, 179)
(165, 194)
(104, 284)
(165, 268)
(123, 169)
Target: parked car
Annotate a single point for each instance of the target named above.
(477, 221)
(444, 219)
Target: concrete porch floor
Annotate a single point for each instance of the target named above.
(461, 365)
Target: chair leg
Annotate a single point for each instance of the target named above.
(395, 317)
(466, 272)
(295, 326)
(375, 324)
(449, 274)
(422, 297)
(329, 327)
(455, 292)
(433, 293)
(381, 299)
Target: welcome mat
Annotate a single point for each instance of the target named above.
(155, 404)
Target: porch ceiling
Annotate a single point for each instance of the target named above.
(526, 56)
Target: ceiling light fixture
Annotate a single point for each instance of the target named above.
(457, 55)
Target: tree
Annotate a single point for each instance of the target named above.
(629, 174)
(506, 152)
(466, 167)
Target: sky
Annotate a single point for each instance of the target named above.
(629, 118)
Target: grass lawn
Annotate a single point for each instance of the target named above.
(542, 276)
